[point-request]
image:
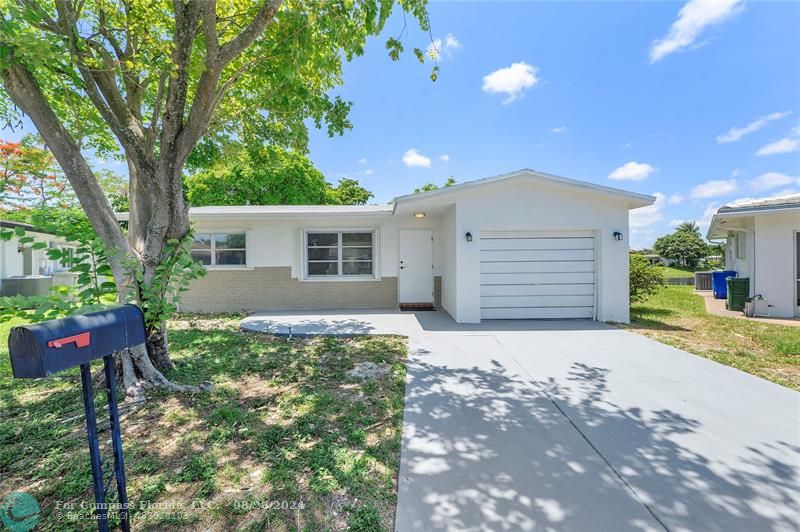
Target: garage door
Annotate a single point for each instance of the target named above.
(537, 275)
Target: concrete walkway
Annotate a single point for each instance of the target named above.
(575, 425)
(717, 306)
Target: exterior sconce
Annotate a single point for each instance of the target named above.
(20, 248)
(419, 215)
(617, 235)
(468, 237)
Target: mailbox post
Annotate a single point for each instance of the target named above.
(42, 349)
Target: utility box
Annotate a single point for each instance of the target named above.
(702, 280)
(738, 292)
(42, 349)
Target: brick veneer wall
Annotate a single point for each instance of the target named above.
(274, 288)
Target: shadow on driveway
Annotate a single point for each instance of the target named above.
(486, 448)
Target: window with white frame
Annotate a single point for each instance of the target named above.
(740, 246)
(220, 249)
(340, 254)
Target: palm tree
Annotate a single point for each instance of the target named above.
(688, 227)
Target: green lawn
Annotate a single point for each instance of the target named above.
(286, 441)
(676, 271)
(676, 316)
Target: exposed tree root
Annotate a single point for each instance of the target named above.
(139, 374)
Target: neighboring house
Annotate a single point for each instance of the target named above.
(658, 260)
(519, 245)
(27, 271)
(763, 243)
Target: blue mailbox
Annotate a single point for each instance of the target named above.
(42, 349)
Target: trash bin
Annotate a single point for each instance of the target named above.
(738, 292)
(718, 284)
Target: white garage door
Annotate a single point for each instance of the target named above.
(537, 275)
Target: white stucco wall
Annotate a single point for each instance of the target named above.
(275, 241)
(540, 206)
(449, 261)
(529, 205)
(775, 277)
(743, 266)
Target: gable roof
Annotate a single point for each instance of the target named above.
(774, 203)
(635, 199)
(751, 207)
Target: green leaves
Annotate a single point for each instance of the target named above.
(395, 48)
(161, 295)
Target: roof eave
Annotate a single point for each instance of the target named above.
(636, 200)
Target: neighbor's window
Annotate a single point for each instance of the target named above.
(220, 249)
(740, 250)
(340, 253)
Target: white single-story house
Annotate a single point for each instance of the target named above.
(763, 244)
(27, 271)
(519, 245)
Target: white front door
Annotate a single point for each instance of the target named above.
(415, 273)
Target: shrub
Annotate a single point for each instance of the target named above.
(645, 279)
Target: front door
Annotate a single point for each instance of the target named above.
(415, 274)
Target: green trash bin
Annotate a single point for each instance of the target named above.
(738, 292)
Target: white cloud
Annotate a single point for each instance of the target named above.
(714, 188)
(787, 144)
(628, 144)
(559, 129)
(644, 216)
(737, 133)
(512, 80)
(772, 180)
(368, 171)
(675, 199)
(441, 48)
(414, 158)
(705, 221)
(632, 171)
(445, 157)
(676, 223)
(362, 161)
(736, 172)
(694, 17)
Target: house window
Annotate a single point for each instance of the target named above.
(740, 251)
(341, 254)
(220, 249)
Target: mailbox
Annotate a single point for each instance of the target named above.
(42, 349)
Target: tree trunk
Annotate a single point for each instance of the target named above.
(158, 350)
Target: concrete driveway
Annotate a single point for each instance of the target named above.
(580, 426)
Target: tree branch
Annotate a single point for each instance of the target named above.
(25, 92)
(251, 32)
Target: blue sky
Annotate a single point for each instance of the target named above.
(652, 89)
(697, 103)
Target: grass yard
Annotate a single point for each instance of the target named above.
(286, 441)
(671, 272)
(676, 316)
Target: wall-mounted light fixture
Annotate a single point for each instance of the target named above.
(468, 236)
(419, 215)
(617, 235)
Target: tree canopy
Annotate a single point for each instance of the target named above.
(433, 186)
(269, 176)
(685, 244)
(30, 178)
(150, 79)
